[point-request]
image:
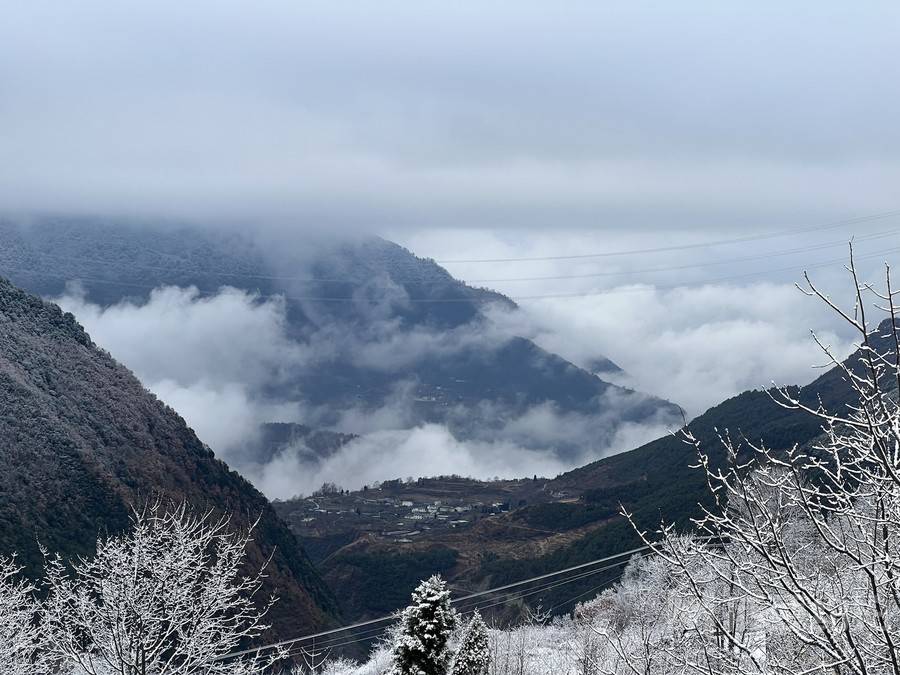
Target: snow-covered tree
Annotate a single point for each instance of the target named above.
(339, 666)
(420, 646)
(168, 597)
(801, 573)
(473, 656)
(21, 651)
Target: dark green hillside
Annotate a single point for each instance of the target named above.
(657, 482)
(383, 581)
(81, 441)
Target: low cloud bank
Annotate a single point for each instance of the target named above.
(695, 346)
(427, 450)
(219, 361)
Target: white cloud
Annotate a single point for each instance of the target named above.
(212, 358)
(225, 416)
(533, 442)
(712, 322)
(208, 357)
(428, 450)
(693, 346)
(186, 337)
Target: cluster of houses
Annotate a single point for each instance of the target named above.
(392, 516)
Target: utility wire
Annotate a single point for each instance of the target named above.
(472, 298)
(688, 266)
(324, 280)
(684, 247)
(628, 553)
(372, 634)
(335, 642)
(395, 615)
(732, 277)
(514, 597)
(590, 591)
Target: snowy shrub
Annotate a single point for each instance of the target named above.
(380, 662)
(473, 656)
(340, 667)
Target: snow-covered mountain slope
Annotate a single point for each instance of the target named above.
(82, 442)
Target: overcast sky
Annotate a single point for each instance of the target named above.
(496, 130)
(479, 115)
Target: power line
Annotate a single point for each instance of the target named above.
(395, 615)
(372, 634)
(512, 597)
(472, 298)
(590, 591)
(708, 263)
(553, 574)
(345, 280)
(307, 279)
(706, 282)
(335, 642)
(683, 247)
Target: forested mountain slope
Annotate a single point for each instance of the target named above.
(82, 442)
(659, 482)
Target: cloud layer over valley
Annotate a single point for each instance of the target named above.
(219, 361)
(227, 363)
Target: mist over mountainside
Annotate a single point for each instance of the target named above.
(82, 443)
(357, 335)
(119, 260)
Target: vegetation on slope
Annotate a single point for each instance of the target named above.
(81, 442)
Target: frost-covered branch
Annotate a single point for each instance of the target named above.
(169, 597)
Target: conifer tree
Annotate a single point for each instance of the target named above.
(424, 631)
(473, 657)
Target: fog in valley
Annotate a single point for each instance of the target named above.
(632, 194)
